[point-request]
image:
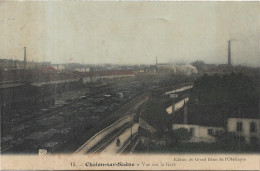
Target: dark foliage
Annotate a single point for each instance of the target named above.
(233, 88)
(180, 134)
(155, 113)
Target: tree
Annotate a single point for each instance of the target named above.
(155, 113)
(216, 89)
(198, 64)
(180, 134)
(228, 138)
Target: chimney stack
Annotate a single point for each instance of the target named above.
(25, 60)
(156, 67)
(229, 52)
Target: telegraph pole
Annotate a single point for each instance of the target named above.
(131, 128)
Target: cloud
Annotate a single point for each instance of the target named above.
(131, 33)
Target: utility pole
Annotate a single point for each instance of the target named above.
(131, 128)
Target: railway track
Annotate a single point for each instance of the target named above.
(129, 107)
(132, 105)
(108, 140)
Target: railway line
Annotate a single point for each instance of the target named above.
(69, 114)
(108, 140)
(126, 109)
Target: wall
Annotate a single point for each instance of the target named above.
(148, 141)
(232, 127)
(102, 134)
(200, 133)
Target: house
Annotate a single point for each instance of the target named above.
(200, 133)
(203, 121)
(246, 128)
(245, 122)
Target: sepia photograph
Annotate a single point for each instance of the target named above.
(130, 85)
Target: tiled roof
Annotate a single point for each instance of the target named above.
(214, 115)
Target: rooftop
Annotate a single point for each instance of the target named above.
(214, 115)
(106, 73)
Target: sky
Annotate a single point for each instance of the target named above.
(130, 32)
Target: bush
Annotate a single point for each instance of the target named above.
(231, 141)
(180, 134)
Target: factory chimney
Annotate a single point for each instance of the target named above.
(25, 60)
(229, 52)
(156, 67)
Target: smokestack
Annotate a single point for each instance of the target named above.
(229, 52)
(25, 60)
(185, 114)
(156, 68)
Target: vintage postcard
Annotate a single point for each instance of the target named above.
(137, 85)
